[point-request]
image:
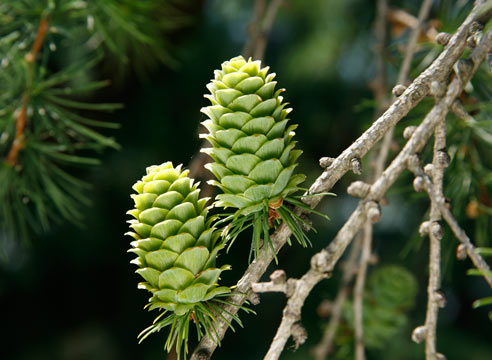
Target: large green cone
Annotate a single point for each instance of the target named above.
(252, 146)
(252, 142)
(176, 247)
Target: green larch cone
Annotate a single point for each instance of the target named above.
(176, 247)
(253, 149)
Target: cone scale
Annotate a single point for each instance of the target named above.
(253, 151)
(176, 246)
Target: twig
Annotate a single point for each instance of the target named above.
(460, 234)
(259, 9)
(419, 88)
(402, 78)
(291, 315)
(19, 141)
(435, 236)
(359, 291)
(380, 95)
(380, 32)
(403, 19)
(260, 28)
(412, 43)
(267, 25)
(324, 347)
(278, 283)
(327, 258)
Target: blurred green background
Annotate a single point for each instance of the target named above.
(71, 294)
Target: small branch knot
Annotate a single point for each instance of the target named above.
(461, 252)
(319, 261)
(436, 230)
(440, 298)
(398, 90)
(443, 158)
(418, 184)
(418, 334)
(254, 298)
(476, 27)
(373, 211)
(202, 355)
(278, 277)
(438, 89)
(408, 132)
(373, 259)
(429, 169)
(358, 189)
(439, 356)
(413, 161)
(419, 93)
(290, 287)
(356, 165)
(299, 334)
(325, 162)
(443, 38)
(424, 228)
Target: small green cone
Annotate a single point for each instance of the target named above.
(176, 246)
(253, 150)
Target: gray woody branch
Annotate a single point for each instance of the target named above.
(324, 261)
(440, 201)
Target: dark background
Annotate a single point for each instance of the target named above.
(71, 294)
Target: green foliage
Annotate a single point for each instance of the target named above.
(469, 176)
(253, 151)
(176, 245)
(134, 32)
(37, 189)
(487, 300)
(389, 295)
(48, 52)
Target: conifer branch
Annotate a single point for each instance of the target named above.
(325, 346)
(435, 236)
(45, 120)
(38, 41)
(360, 282)
(367, 232)
(447, 215)
(324, 261)
(19, 141)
